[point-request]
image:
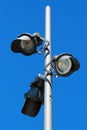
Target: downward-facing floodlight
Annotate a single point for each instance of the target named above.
(26, 43)
(65, 64)
(34, 98)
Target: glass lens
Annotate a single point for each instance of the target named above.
(64, 65)
(27, 45)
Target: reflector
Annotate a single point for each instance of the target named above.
(63, 65)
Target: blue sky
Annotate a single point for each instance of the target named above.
(69, 34)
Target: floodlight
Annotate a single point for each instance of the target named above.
(34, 98)
(26, 43)
(65, 64)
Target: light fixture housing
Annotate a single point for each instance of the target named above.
(34, 98)
(26, 43)
(65, 64)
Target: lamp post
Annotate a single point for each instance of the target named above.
(41, 88)
(47, 85)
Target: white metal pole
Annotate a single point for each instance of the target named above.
(48, 86)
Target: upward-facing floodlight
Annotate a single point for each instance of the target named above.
(65, 64)
(34, 98)
(26, 43)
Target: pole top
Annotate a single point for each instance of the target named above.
(48, 6)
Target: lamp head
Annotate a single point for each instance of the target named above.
(34, 98)
(65, 64)
(33, 102)
(26, 44)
